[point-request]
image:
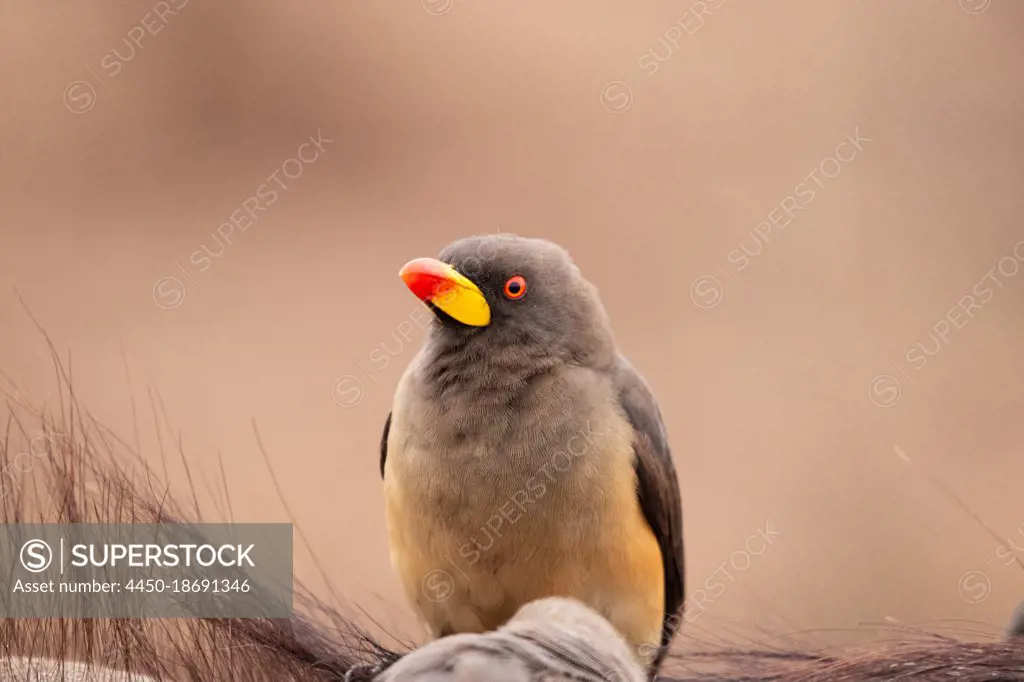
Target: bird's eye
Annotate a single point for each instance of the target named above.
(515, 287)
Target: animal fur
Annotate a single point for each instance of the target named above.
(92, 476)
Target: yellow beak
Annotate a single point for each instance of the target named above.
(445, 287)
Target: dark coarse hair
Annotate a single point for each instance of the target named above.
(89, 475)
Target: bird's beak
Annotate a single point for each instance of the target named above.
(446, 288)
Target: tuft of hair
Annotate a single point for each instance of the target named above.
(81, 472)
(89, 475)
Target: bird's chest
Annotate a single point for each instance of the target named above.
(472, 479)
(481, 527)
(495, 479)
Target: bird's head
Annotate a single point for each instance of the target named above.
(511, 291)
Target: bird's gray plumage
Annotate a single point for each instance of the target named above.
(481, 410)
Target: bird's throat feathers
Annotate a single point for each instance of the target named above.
(488, 371)
(505, 361)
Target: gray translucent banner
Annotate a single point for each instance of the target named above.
(205, 570)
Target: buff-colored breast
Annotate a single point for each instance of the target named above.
(584, 538)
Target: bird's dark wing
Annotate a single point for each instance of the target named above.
(384, 444)
(657, 489)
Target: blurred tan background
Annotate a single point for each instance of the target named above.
(653, 140)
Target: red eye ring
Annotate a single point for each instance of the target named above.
(515, 287)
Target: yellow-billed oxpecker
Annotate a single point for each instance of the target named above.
(524, 457)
